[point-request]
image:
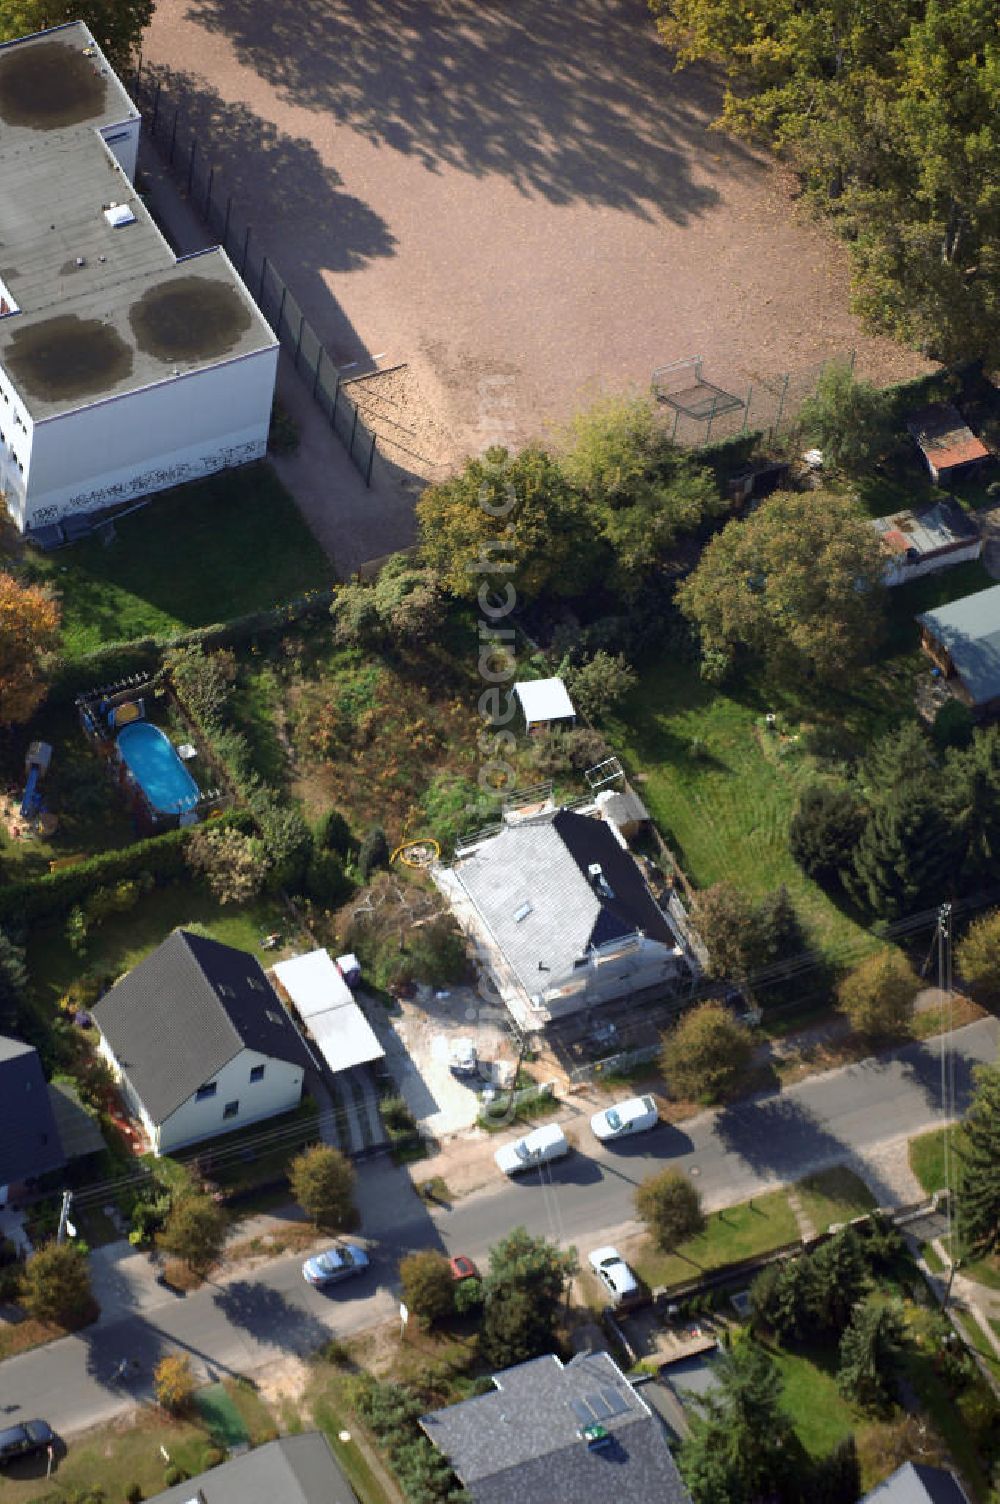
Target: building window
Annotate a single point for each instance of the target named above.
(231, 1109)
(204, 1092)
(256, 1073)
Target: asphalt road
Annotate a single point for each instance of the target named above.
(859, 1115)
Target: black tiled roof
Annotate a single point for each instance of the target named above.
(29, 1139)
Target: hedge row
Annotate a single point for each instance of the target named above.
(54, 893)
(117, 660)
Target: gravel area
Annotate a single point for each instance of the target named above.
(524, 205)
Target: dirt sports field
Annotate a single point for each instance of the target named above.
(503, 188)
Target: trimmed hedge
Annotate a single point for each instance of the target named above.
(116, 660)
(55, 893)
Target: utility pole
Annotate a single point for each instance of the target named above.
(947, 1082)
(65, 1225)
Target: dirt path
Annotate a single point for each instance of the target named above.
(522, 210)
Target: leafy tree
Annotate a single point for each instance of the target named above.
(195, 1231)
(522, 1292)
(233, 864)
(850, 421)
(56, 1285)
(356, 622)
(403, 604)
(374, 853)
(724, 918)
(322, 1182)
(13, 983)
(29, 634)
(869, 1355)
(705, 1054)
(824, 831)
(979, 1185)
(878, 995)
(508, 512)
(978, 955)
(204, 681)
(889, 116)
(908, 853)
(797, 583)
(286, 839)
(670, 1206)
(428, 1285)
(599, 684)
(174, 1383)
(741, 1446)
(117, 24)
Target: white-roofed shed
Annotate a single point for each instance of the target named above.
(543, 702)
(324, 1002)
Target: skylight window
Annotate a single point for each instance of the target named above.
(522, 911)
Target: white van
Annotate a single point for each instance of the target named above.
(535, 1148)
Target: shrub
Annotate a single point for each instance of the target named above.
(213, 1457)
(978, 955)
(287, 839)
(233, 864)
(173, 1475)
(326, 882)
(427, 1285)
(706, 1053)
(56, 1285)
(334, 834)
(670, 1206)
(878, 995)
(322, 1182)
(133, 1493)
(597, 686)
(203, 681)
(195, 1231)
(174, 1383)
(953, 726)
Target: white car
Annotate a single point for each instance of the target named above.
(535, 1148)
(637, 1115)
(613, 1272)
(464, 1061)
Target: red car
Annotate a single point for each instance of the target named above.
(462, 1268)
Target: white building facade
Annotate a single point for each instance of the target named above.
(249, 1088)
(123, 369)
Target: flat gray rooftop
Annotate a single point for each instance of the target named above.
(103, 310)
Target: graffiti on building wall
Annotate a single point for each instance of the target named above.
(157, 479)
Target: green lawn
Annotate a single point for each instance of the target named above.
(112, 1458)
(122, 941)
(834, 1195)
(927, 1157)
(204, 553)
(820, 1414)
(722, 789)
(736, 1233)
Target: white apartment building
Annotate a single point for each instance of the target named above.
(123, 369)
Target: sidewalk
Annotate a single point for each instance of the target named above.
(351, 523)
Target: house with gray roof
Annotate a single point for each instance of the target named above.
(573, 1433)
(563, 915)
(123, 368)
(963, 640)
(199, 1043)
(916, 1483)
(292, 1470)
(30, 1145)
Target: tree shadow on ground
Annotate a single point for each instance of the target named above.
(579, 106)
(271, 1318)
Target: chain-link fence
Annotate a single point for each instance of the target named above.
(698, 410)
(190, 159)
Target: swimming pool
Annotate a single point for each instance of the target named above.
(150, 757)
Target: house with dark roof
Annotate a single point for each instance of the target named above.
(574, 1433)
(918, 543)
(916, 1483)
(946, 441)
(561, 912)
(963, 640)
(199, 1043)
(30, 1145)
(292, 1470)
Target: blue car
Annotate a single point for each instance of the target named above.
(335, 1264)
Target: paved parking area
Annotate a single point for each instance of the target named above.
(418, 1044)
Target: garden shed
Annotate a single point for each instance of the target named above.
(326, 1006)
(545, 703)
(946, 441)
(963, 639)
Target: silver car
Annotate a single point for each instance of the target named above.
(637, 1115)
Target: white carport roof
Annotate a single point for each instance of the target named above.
(323, 999)
(544, 700)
